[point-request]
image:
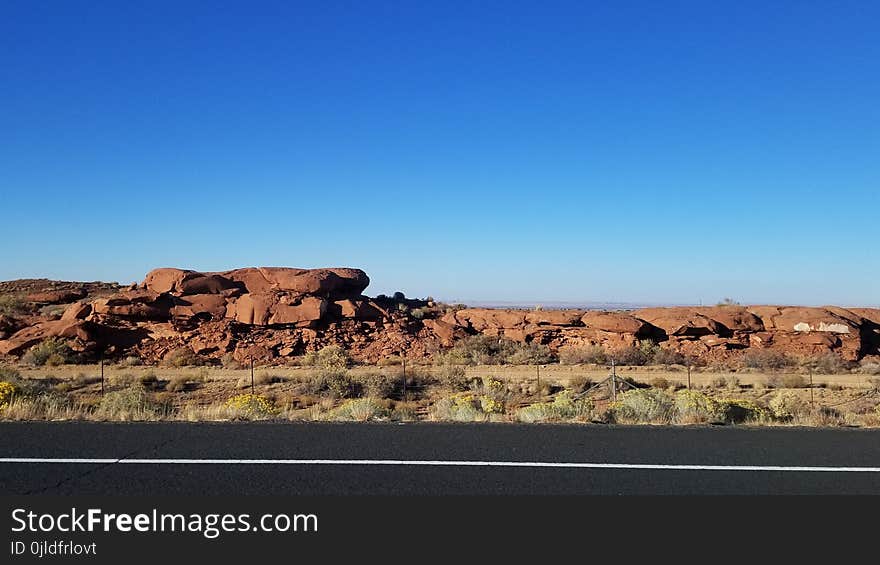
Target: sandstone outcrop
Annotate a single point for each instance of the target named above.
(680, 321)
(57, 296)
(274, 313)
(24, 339)
(616, 322)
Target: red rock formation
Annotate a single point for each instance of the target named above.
(616, 322)
(271, 313)
(57, 296)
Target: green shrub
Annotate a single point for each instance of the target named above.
(580, 384)
(390, 361)
(660, 382)
(492, 392)
(339, 383)
(78, 381)
(453, 376)
(178, 384)
(132, 403)
(267, 378)
(308, 384)
(472, 407)
(121, 379)
(766, 359)
(377, 385)
(564, 407)
(692, 407)
(182, 357)
(228, 361)
(149, 380)
(404, 412)
(53, 310)
(419, 313)
(12, 305)
(417, 378)
(24, 386)
(824, 416)
(330, 357)
(794, 381)
(663, 356)
(644, 405)
(773, 381)
(462, 407)
(829, 364)
(491, 350)
(56, 360)
(130, 361)
(583, 355)
(637, 355)
(539, 412)
(459, 355)
(738, 411)
(785, 381)
(491, 405)
(786, 406)
(360, 410)
(334, 383)
(33, 387)
(53, 351)
(529, 354)
(730, 382)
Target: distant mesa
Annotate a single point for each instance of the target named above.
(272, 314)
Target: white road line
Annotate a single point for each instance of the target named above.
(429, 463)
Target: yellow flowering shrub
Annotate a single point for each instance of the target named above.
(692, 407)
(6, 392)
(252, 405)
(461, 407)
(488, 398)
(495, 386)
(464, 399)
(644, 405)
(491, 395)
(785, 405)
(564, 407)
(490, 405)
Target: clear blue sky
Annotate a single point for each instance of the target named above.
(669, 152)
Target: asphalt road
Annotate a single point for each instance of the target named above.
(436, 459)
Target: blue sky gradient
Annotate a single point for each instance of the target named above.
(663, 152)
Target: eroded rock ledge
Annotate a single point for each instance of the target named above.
(274, 313)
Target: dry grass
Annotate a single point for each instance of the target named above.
(45, 408)
(211, 413)
(556, 374)
(306, 393)
(179, 383)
